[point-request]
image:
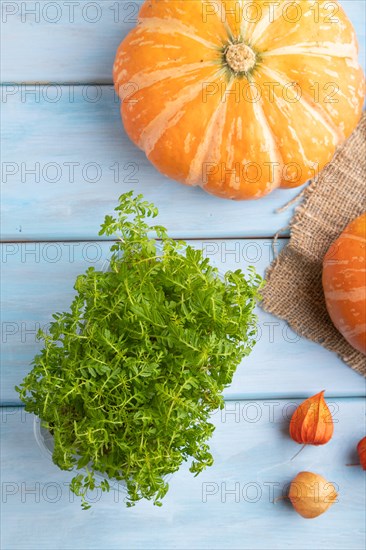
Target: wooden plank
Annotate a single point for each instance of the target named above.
(229, 506)
(66, 163)
(38, 280)
(64, 41)
(65, 154)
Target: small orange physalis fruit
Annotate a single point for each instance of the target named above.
(361, 449)
(312, 423)
(311, 495)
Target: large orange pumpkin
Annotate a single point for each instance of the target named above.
(344, 283)
(240, 96)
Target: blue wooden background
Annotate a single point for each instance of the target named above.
(65, 161)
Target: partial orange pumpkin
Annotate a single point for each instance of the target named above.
(240, 97)
(344, 283)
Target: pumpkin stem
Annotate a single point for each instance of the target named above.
(240, 58)
(298, 452)
(280, 498)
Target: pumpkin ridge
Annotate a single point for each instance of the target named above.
(355, 294)
(143, 79)
(167, 26)
(229, 32)
(169, 115)
(312, 49)
(354, 237)
(315, 109)
(293, 133)
(357, 330)
(195, 169)
(272, 143)
(263, 24)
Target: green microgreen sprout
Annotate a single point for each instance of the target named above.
(128, 378)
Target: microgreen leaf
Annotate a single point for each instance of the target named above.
(128, 378)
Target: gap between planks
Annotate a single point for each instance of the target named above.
(55, 240)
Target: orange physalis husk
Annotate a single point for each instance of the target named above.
(311, 495)
(312, 423)
(361, 449)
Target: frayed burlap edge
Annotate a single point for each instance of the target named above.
(294, 289)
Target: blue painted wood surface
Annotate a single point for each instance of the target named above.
(46, 197)
(73, 127)
(252, 452)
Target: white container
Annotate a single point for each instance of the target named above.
(46, 444)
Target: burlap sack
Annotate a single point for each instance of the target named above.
(294, 287)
